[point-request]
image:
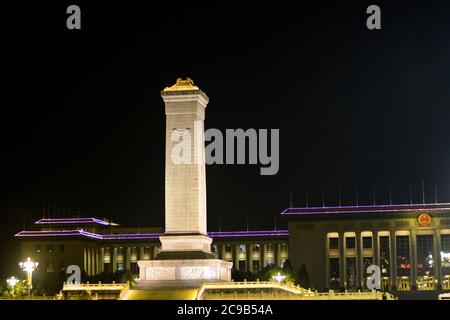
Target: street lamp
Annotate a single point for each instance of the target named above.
(12, 282)
(29, 266)
(279, 277)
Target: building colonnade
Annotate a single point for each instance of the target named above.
(416, 259)
(246, 256)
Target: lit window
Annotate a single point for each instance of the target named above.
(367, 242)
(147, 254)
(350, 242)
(334, 279)
(333, 243)
(255, 265)
(107, 255)
(242, 248)
(384, 255)
(133, 257)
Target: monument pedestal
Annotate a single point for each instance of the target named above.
(185, 242)
(182, 273)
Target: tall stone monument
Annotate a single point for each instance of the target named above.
(185, 258)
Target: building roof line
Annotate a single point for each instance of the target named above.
(367, 209)
(75, 221)
(136, 236)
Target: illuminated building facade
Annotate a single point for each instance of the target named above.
(410, 243)
(99, 246)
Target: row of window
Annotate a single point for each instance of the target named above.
(50, 248)
(255, 248)
(350, 243)
(147, 250)
(121, 251)
(425, 262)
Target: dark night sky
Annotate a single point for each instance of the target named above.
(83, 120)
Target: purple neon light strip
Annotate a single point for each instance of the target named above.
(127, 236)
(267, 234)
(136, 236)
(383, 208)
(66, 233)
(247, 232)
(223, 234)
(380, 205)
(72, 221)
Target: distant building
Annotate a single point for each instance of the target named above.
(410, 243)
(99, 246)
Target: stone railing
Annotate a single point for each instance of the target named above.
(269, 290)
(93, 286)
(27, 298)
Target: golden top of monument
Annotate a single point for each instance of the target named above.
(182, 85)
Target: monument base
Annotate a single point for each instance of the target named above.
(185, 242)
(179, 273)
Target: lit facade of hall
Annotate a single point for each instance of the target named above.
(410, 244)
(99, 246)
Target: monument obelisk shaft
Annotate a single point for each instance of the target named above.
(185, 258)
(185, 182)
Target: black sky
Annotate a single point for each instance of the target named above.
(83, 120)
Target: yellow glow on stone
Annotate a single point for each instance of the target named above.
(182, 85)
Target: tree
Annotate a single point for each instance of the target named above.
(269, 271)
(238, 275)
(303, 277)
(20, 289)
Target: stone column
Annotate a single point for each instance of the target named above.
(248, 251)
(276, 254)
(114, 260)
(141, 253)
(262, 255)
(341, 261)
(413, 260)
(221, 249)
(96, 261)
(279, 254)
(393, 265)
(128, 259)
(358, 254)
(236, 257)
(92, 262)
(376, 255)
(437, 257)
(85, 261)
(102, 259)
(89, 261)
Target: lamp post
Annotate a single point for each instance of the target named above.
(29, 266)
(279, 277)
(12, 282)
